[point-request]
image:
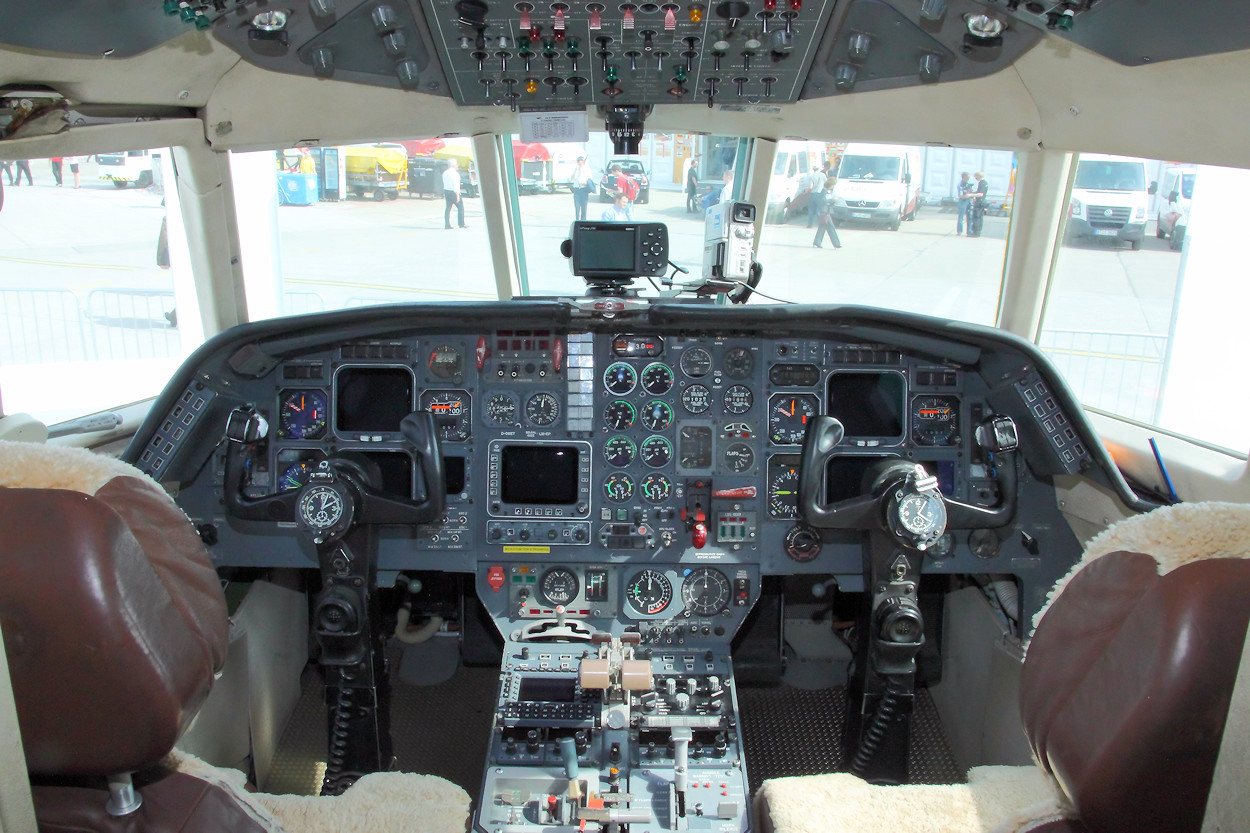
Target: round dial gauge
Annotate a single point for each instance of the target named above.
(619, 487)
(696, 399)
(321, 507)
(739, 399)
(656, 488)
(705, 592)
(739, 363)
(619, 450)
(657, 415)
(696, 362)
(649, 592)
(558, 586)
(921, 514)
(542, 409)
(302, 415)
(451, 410)
(446, 362)
(500, 410)
(739, 457)
(934, 419)
(657, 379)
(656, 452)
(788, 416)
(783, 488)
(620, 378)
(619, 415)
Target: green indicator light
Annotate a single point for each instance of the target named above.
(610, 75)
(202, 22)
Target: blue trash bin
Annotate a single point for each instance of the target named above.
(297, 189)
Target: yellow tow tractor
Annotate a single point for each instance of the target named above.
(378, 169)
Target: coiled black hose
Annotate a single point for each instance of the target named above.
(337, 780)
(884, 716)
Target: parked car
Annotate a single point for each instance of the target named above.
(1109, 199)
(633, 169)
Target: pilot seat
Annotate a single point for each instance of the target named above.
(115, 626)
(1130, 696)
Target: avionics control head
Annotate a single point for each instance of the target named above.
(608, 255)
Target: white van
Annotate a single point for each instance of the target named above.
(877, 184)
(1173, 197)
(1109, 199)
(789, 186)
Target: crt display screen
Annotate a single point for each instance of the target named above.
(868, 404)
(606, 250)
(540, 475)
(373, 398)
(547, 689)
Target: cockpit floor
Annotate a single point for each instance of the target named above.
(796, 731)
(443, 729)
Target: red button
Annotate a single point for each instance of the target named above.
(495, 578)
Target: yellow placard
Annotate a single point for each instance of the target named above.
(523, 548)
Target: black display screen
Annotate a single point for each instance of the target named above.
(868, 404)
(539, 475)
(844, 479)
(606, 251)
(453, 475)
(372, 398)
(547, 690)
(396, 471)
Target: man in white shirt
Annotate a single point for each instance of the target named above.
(620, 211)
(451, 193)
(727, 192)
(580, 186)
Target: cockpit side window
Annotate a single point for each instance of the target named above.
(98, 306)
(1146, 302)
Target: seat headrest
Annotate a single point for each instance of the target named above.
(1125, 689)
(114, 620)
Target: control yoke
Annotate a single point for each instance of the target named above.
(245, 428)
(908, 511)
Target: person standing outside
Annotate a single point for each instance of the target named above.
(822, 210)
(8, 169)
(73, 162)
(56, 168)
(451, 194)
(580, 186)
(976, 211)
(964, 191)
(727, 190)
(23, 166)
(691, 178)
(619, 211)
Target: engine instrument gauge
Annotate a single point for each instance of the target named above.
(694, 447)
(738, 399)
(619, 415)
(696, 399)
(657, 379)
(656, 452)
(934, 420)
(656, 488)
(452, 410)
(446, 362)
(696, 362)
(649, 592)
(657, 415)
(542, 409)
(739, 363)
(302, 415)
(620, 378)
(500, 410)
(558, 586)
(294, 476)
(783, 486)
(705, 592)
(619, 450)
(788, 416)
(739, 457)
(618, 487)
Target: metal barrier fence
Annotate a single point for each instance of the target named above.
(47, 326)
(1117, 372)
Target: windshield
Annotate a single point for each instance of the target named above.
(869, 167)
(1110, 175)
